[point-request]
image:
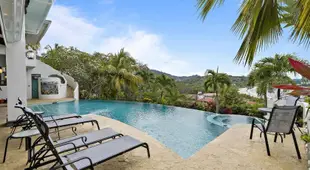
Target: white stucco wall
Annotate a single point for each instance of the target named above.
(62, 89)
(16, 75)
(44, 70)
(72, 83)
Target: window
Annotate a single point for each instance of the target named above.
(3, 76)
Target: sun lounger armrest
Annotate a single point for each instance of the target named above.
(39, 113)
(258, 121)
(66, 143)
(83, 138)
(259, 124)
(72, 161)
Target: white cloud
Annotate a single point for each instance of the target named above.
(71, 29)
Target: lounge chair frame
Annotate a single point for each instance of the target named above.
(31, 125)
(50, 147)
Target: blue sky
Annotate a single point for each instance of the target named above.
(164, 34)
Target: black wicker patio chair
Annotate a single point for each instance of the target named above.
(282, 119)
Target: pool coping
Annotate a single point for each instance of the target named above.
(51, 102)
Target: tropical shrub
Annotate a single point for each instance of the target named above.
(199, 106)
(231, 97)
(210, 106)
(147, 100)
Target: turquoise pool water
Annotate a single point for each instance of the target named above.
(185, 131)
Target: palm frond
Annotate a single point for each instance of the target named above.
(259, 24)
(206, 5)
(301, 31)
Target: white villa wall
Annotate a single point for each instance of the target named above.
(44, 70)
(16, 75)
(72, 83)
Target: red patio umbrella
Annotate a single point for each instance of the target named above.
(290, 87)
(297, 93)
(301, 68)
(298, 90)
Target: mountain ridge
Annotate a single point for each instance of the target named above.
(194, 83)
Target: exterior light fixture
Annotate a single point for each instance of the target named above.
(30, 54)
(1, 71)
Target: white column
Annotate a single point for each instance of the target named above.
(16, 75)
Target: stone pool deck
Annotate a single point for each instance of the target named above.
(231, 150)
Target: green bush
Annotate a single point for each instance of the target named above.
(230, 97)
(199, 106)
(210, 107)
(147, 100)
(253, 110)
(247, 109)
(241, 109)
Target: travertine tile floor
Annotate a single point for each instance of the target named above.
(231, 150)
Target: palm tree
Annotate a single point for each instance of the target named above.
(165, 84)
(216, 82)
(269, 71)
(147, 76)
(174, 97)
(122, 70)
(261, 22)
(57, 57)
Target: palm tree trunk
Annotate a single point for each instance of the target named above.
(265, 99)
(217, 105)
(161, 95)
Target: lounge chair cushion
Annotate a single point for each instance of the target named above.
(105, 151)
(60, 117)
(68, 122)
(92, 137)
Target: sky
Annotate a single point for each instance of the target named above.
(167, 35)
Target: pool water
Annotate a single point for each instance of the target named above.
(185, 131)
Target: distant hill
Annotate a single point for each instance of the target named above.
(194, 83)
(176, 78)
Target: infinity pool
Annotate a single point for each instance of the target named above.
(185, 131)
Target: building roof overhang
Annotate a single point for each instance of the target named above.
(37, 11)
(36, 38)
(12, 13)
